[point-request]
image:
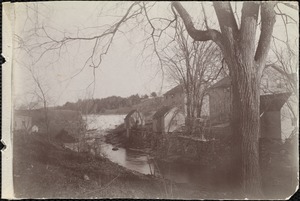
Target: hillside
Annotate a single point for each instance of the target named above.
(113, 105)
(146, 106)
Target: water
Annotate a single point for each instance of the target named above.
(139, 161)
(103, 122)
(132, 160)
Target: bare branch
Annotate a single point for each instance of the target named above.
(268, 20)
(226, 18)
(204, 14)
(196, 34)
(290, 6)
(249, 26)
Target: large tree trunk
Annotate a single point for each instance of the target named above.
(245, 127)
(245, 62)
(245, 121)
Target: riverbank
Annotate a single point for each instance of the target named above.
(44, 170)
(279, 173)
(117, 136)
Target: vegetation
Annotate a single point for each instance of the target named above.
(105, 105)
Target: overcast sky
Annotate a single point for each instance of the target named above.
(124, 71)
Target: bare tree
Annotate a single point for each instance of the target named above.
(41, 93)
(194, 65)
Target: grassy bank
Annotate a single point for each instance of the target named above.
(44, 170)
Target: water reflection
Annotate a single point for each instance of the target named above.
(132, 160)
(138, 161)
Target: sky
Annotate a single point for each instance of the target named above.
(128, 68)
(123, 71)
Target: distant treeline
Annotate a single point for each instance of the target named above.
(96, 106)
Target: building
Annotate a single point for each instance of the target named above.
(57, 120)
(168, 119)
(133, 119)
(175, 97)
(220, 100)
(274, 82)
(270, 116)
(35, 129)
(22, 122)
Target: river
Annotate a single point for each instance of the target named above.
(139, 161)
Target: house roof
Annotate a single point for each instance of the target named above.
(175, 90)
(223, 83)
(273, 102)
(130, 113)
(161, 112)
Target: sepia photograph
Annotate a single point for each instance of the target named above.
(150, 100)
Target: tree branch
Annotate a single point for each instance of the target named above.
(290, 5)
(268, 18)
(226, 17)
(227, 25)
(249, 26)
(289, 77)
(197, 35)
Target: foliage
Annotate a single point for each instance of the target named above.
(153, 94)
(92, 106)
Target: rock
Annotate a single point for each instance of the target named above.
(115, 148)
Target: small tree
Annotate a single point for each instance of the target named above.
(194, 65)
(41, 93)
